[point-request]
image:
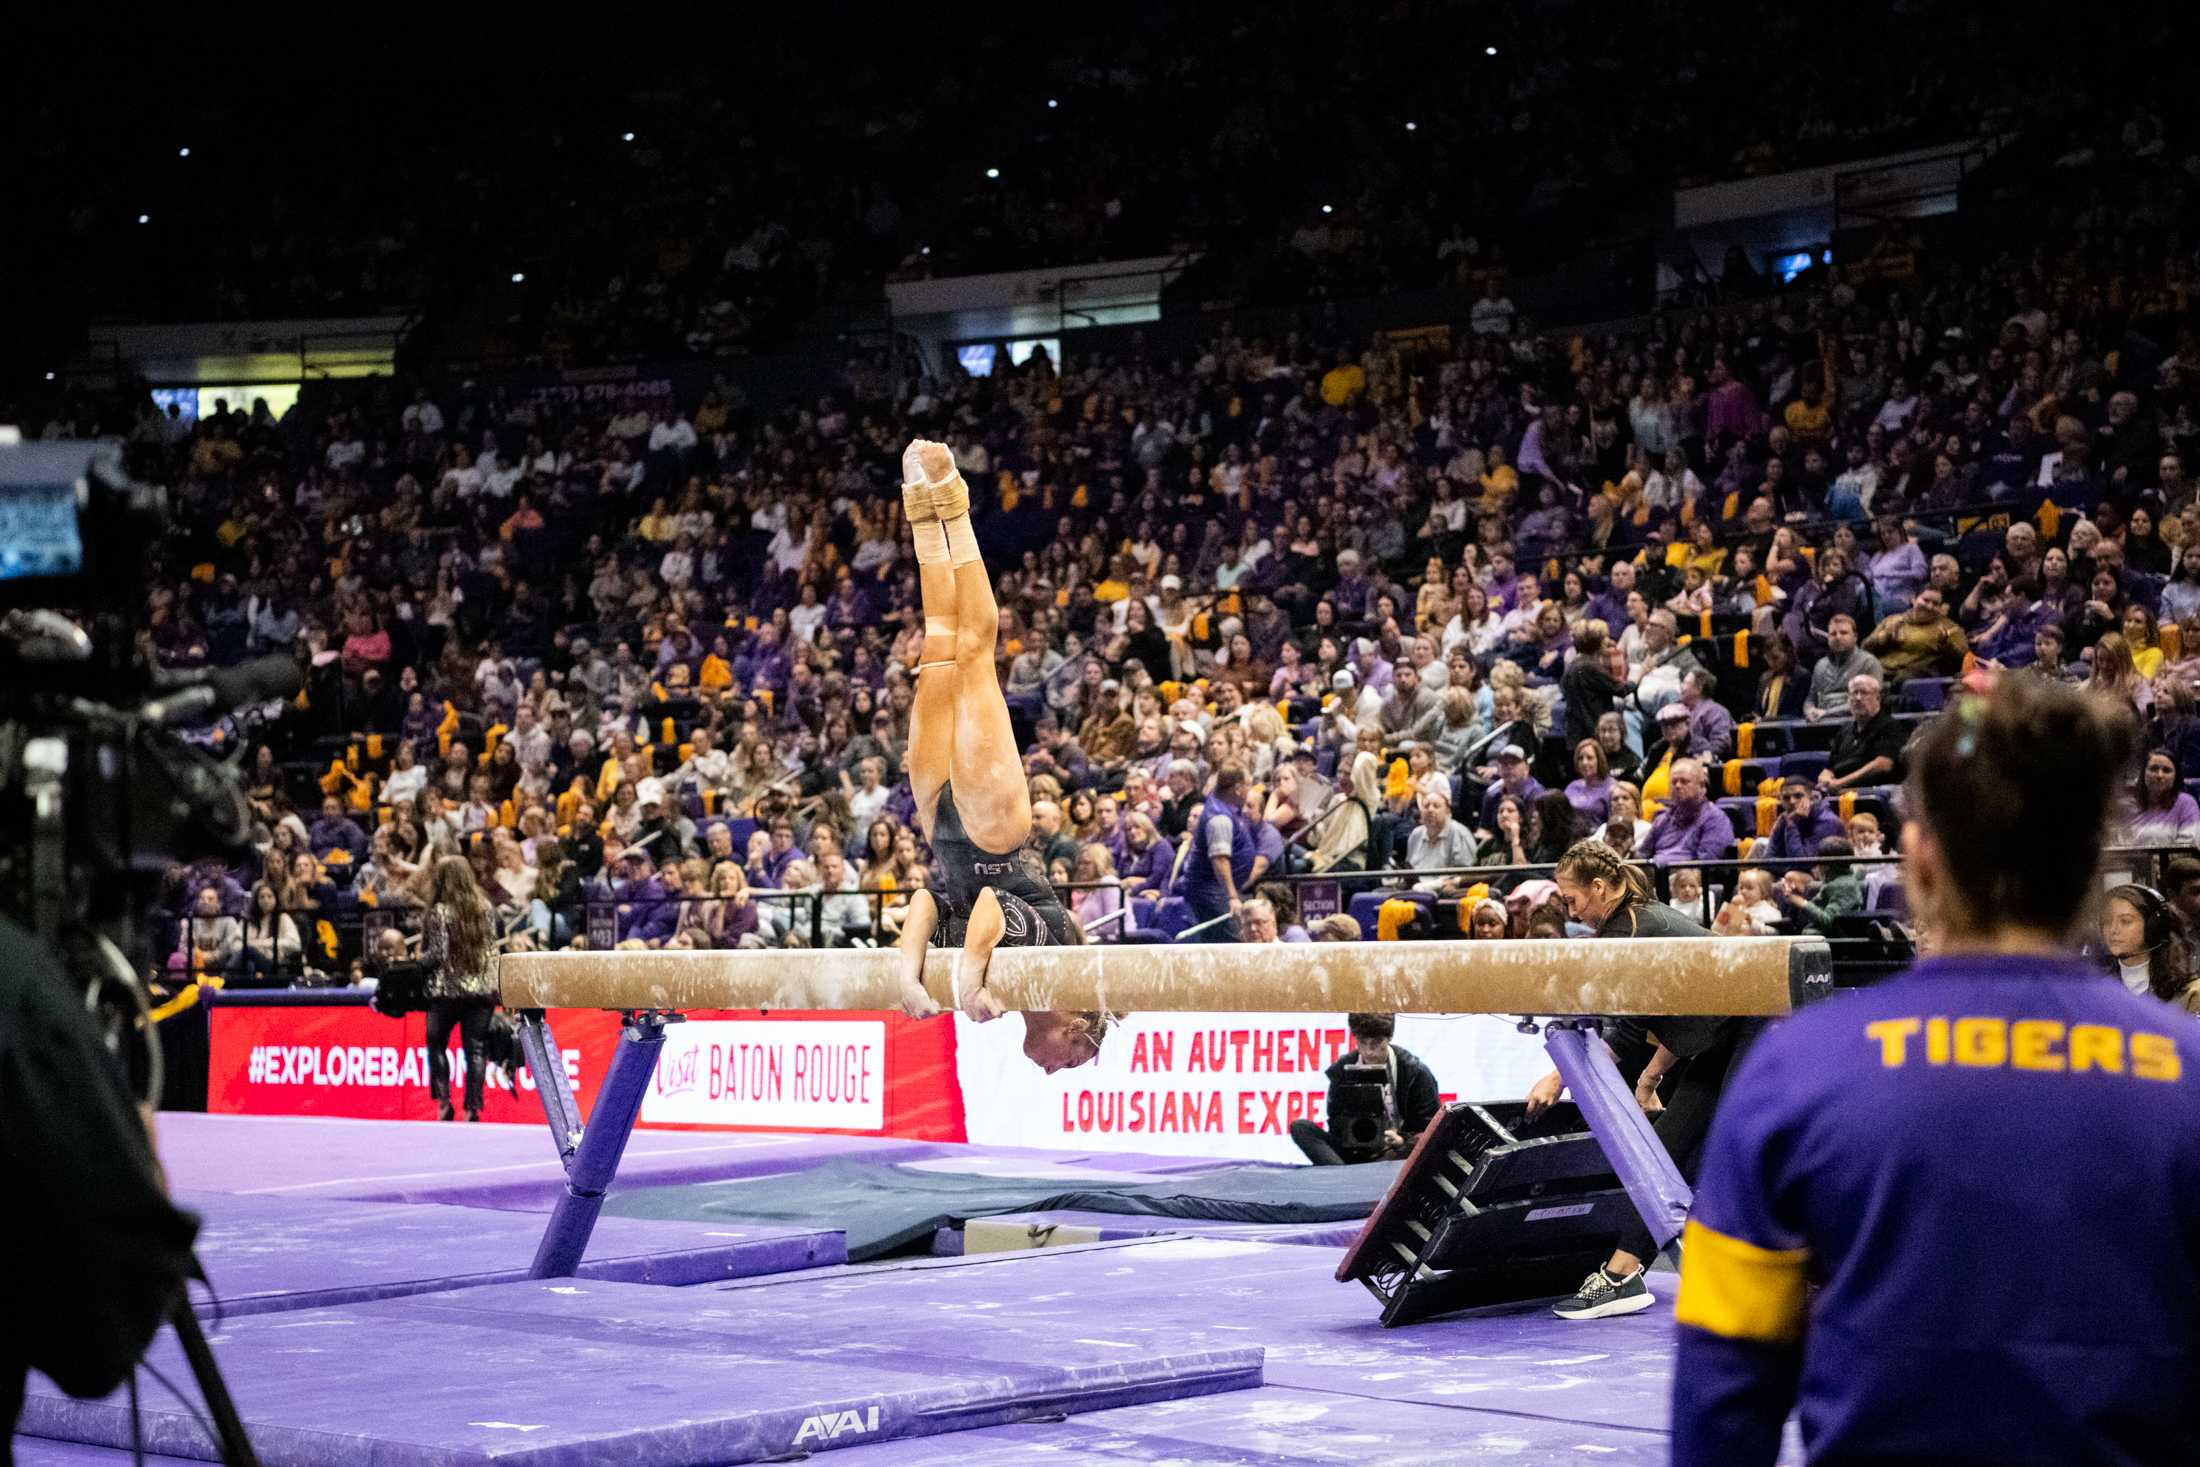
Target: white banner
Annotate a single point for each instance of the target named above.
(1225, 1085)
(791, 1073)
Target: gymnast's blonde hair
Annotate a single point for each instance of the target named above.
(1592, 860)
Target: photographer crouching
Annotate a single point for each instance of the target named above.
(1380, 1099)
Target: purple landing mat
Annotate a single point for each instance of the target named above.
(279, 1253)
(1276, 1427)
(35, 1451)
(516, 1168)
(1319, 1335)
(579, 1373)
(1059, 1226)
(1271, 1426)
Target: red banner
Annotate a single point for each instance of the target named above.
(342, 1060)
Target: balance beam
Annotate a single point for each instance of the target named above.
(1564, 981)
(1751, 977)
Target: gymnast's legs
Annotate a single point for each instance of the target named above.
(959, 727)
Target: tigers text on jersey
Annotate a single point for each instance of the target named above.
(1990, 1166)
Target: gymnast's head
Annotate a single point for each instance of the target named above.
(1594, 882)
(1062, 1041)
(2010, 793)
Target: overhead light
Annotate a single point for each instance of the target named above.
(1052, 103)
(1328, 210)
(1413, 127)
(925, 250)
(49, 376)
(519, 277)
(1489, 50)
(145, 218)
(629, 137)
(183, 152)
(993, 173)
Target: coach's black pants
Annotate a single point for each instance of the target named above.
(470, 1016)
(1691, 1092)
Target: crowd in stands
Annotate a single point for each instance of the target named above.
(1450, 603)
(666, 212)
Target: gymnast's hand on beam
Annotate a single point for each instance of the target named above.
(981, 1005)
(916, 1001)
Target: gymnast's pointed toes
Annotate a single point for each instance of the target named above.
(927, 462)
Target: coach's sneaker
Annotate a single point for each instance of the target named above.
(1601, 1296)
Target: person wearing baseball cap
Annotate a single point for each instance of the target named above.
(1673, 742)
(1514, 778)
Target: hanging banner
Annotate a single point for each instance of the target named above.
(1226, 1085)
(860, 1073)
(351, 1061)
(781, 1074)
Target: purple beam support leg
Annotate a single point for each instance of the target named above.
(1638, 1157)
(548, 1067)
(596, 1161)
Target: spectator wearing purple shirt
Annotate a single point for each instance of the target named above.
(1730, 409)
(1591, 792)
(1896, 569)
(782, 854)
(1610, 605)
(1805, 820)
(1513, 778)
(1710, 726)
(762, 664)
(336, 831)
(1531, 459)
(1690, 830)
(1504, 588)
(1148, 857)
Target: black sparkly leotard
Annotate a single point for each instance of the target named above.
(961, 868)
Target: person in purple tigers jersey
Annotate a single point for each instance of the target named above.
(1955, 1217)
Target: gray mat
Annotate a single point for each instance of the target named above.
(885, 1208)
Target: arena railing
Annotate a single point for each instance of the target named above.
(597, 916)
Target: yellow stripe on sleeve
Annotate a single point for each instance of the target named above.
(1738, 1290)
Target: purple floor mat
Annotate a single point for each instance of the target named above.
(515, 1168)
(1275, 1427)
(33, 1451)
(1068, 1225)
(278, 1253)
(1319, 1335)
(546, 1375)
(1268, 1427)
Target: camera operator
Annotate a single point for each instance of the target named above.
(96, 1255)
(1409, 1097)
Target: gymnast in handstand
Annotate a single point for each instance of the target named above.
(988, 886)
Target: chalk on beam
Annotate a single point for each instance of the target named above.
(1749, 976)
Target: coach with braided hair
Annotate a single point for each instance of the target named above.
(1604, 892)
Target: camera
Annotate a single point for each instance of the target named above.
(75, 527)
(101, 795)
(1359, 1110)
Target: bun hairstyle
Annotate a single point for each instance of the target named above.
(2015, 785)
(1091, 1023)
(1592, 860)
